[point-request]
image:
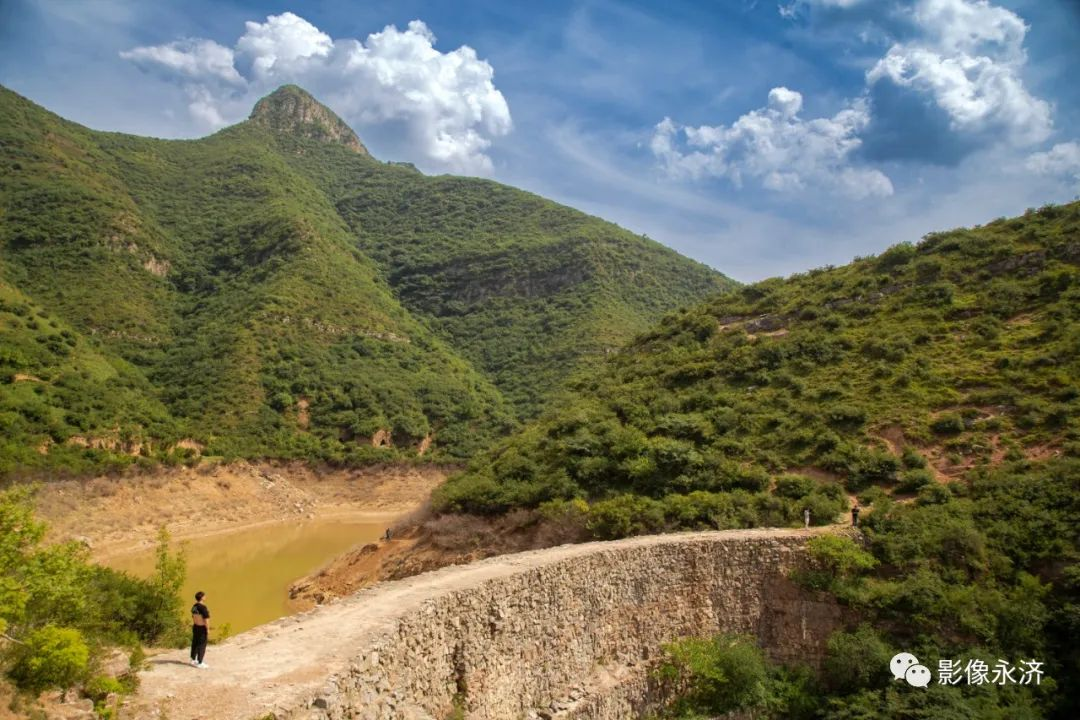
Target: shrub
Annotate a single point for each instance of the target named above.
(100, 687)
(823, 507)
(845, 416)
(856, 660)
(835, 562)
(896, 256)
(935, 294)
(871, 466)
(721, 674)
(700, 510)
(570, 514)
(625, 515)
(50, 657)
(911, 459)
(794, 486)
(913, 480)
(934, 494)
(947, 424)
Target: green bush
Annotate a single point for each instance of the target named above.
(54, 603)
(896, 256)
(947, 424)
(100, 687)
(914, 480)
(912, 460)
(723, 674)
(794, 486)
(625, 515)
(856, 661)
(836, 563)
(934, 493)
(50, 657)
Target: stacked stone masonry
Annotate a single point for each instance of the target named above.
(567, 632)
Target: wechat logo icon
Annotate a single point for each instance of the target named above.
(905, 666)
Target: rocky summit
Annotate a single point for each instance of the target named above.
(291, 110)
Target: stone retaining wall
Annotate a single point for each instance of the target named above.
(572, 638)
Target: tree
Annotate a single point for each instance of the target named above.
(170, 570)
(19, 534)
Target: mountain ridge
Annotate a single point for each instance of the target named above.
(226, 274)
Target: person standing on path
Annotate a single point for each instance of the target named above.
(806, 517)
(200, 630)
(855, 515)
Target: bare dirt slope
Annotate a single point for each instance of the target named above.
(264, 668)
(122, 514)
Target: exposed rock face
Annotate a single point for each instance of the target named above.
(568, 632)
(292, 111)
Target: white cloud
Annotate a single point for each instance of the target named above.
(203, 108)
(444, 104)
(281, 46)
(196, 59)
(776, 147)
(970, 25)
(787, 102)
(969, 58)
(449, 99)
(1062, 160)
(791, 10)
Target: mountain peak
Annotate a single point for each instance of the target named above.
(291, 110)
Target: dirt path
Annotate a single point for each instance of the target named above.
(117, 515)
(262, 669)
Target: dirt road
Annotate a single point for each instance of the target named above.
(274, 665)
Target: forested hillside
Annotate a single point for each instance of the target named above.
(903, 370)
(939, 383)
(164, 298)
(524, 288)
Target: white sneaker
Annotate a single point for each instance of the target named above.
(202, 666)
(194, 663)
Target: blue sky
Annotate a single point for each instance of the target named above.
(762, 138)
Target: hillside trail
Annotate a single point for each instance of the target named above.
(255, 672)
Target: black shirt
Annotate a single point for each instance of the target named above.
(200, 609)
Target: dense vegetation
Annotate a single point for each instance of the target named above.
(981, 571)
(256, 293)
(894, 371)
(58, 611)
(525, 289)
(939, 382)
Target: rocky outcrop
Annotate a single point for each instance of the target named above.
(290, 110)
(564, 632)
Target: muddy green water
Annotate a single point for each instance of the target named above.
(246, 574)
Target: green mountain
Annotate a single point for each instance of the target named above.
(938, 382)
(961, 349)
(527, 290)
(234, 294)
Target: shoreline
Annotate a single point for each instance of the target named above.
(116, 549)
(115, 517)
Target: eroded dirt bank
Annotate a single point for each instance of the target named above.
(422, 542)
(116, 515)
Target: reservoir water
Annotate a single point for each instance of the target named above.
(246, 573)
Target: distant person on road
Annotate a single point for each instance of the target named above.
(806, 517)
(855, 515)
(388, 534)
(200, 630)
